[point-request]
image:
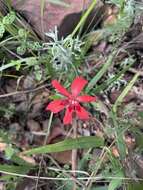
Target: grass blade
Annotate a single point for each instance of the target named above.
(107, 83)
(15, 169)
(68, 144)
(100, 73)
(84, 17)
(125, 91)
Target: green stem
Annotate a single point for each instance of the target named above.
(45, 142)
(74, 153)
(125, 92)
(84, 17)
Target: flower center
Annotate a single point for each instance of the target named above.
(73, 102)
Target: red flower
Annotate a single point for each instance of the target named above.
(71, 101)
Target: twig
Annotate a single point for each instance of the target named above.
(23, 91)
(90, 180)
(70, 179)
(133, 70)
(45, 141)
(66, 172)
(93, 174)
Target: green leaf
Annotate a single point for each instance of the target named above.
(110, 81)
(2, 30)
(14, 169)
(84, 17)
(118, 3)
(135, 186)
(21, 50)
(140, 114)
(102, 71)
(125, 91)
(121, 143)
(29, 61)
(9, 65)
(100, 188)
(22, 33)
(9, 18)
(114, 184)
(68, 144)
(9, 151)
(19, 161)
(119, 134)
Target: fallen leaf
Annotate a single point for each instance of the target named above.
(3, 146)
(28, 159)
(33, 125)
(115, 152)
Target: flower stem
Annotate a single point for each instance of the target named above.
(74, 153)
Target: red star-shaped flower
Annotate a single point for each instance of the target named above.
(71, 101)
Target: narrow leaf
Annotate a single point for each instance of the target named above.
(102, 71)
(68, 144)
(84, 17)
(115, 183)
(125, 91)
(135, 185)
(14, 169)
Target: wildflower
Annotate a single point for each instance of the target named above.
(71, 101)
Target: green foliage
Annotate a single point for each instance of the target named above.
(2, 29)
(64, 53)
(118, 3)
(26, 44)
(69, 144)
(100, 188)
(6, 21)
(27, 62)
(125, 91)
(84, 18)
(4, 137)
(9, 152)
(125, 18)
(14, 169)
(9, 18)
(7, 111)
(102, 71)
(113, 81)
(135, 185)
(115, 183)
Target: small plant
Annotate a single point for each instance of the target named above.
(124, 20)
(72, 105)
(64, 53)
(7, 111)
(6, 21)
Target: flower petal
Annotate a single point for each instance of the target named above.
(77, 85)
(60, 88)
(68, 116)
(56, 106)
(81, 112)
(86, 98)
